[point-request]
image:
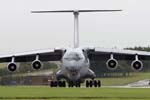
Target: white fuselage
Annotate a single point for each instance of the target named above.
(75, 65)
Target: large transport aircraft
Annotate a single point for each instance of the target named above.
(75, 62)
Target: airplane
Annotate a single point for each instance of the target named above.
(75, 61)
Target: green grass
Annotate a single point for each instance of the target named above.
(47, 93)
(40, 93)
(125, 80)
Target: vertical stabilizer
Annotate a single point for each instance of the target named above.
(76, 20)
(76, 29)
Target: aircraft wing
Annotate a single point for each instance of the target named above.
(118, 54)
(44, 55)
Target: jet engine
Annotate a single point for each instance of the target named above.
(112, 63)
(12, 66)
(137, 65)
(36, 64)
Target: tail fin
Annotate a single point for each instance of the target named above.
(76, 22)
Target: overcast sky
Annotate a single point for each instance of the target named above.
(21, 30)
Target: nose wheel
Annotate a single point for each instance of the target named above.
(76, 84)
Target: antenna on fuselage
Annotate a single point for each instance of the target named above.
(76, 20)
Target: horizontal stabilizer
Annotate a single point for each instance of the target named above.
(68, 11)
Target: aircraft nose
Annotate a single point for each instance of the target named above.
(71, 69)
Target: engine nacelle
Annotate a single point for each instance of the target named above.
(36, 64)
(137, 65)
(112, 64)
(11, 67)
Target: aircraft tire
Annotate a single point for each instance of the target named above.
(98, 83)
(91, 83)
(87, 83)
(77, 84)
(64, 83)
(95, 83)
(53, 84)
(70, 84)
(60, 83)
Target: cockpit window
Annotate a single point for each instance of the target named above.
(73, 56)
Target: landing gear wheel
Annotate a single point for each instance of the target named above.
(53, 84)
(87, 83)
(70, 84)
(95, 83)
(98, 83)
(60, 84)
(91, 83)
(57, 84)
(77, 84)
(64, 83)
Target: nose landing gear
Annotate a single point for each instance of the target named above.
(76, 84)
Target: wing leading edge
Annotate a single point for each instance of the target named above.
(119, 54)
(44, 55)
(93, 54)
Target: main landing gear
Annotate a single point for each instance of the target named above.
(89, 83)
(63, 84)
(57, 84)
(93, 83)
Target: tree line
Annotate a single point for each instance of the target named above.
(139, 48)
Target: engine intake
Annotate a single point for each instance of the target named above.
(137, 65)
(112, 64)
(36, 64)
(12, 67)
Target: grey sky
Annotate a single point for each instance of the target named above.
(22, 31)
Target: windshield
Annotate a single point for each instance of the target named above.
(73, 56)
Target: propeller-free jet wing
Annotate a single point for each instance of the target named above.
(75, 62)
